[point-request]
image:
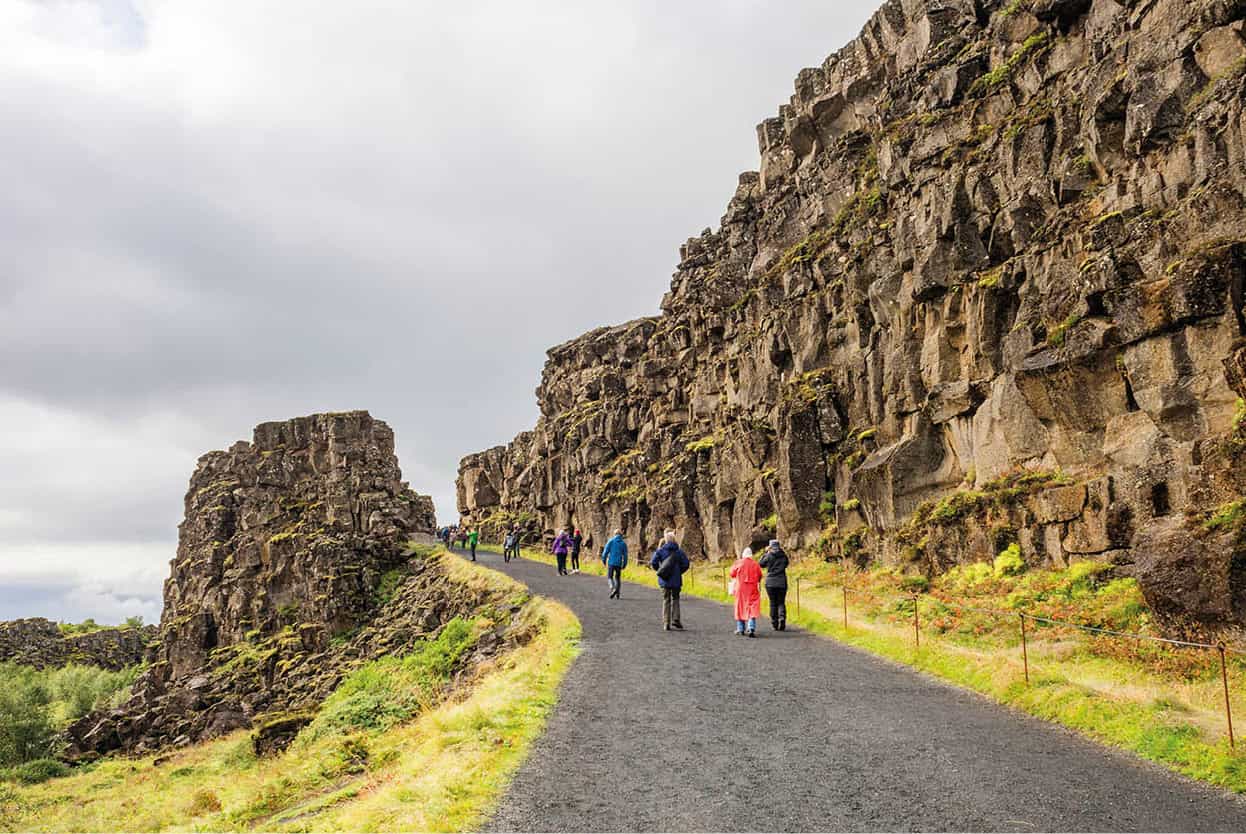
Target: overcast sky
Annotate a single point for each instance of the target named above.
(214, 214)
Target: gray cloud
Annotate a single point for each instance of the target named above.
(213, 218)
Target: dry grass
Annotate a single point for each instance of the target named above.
(443, 771)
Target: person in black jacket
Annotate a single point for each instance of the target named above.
(577, 543)
(775, 561)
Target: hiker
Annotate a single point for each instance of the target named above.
(775, 561)
(562, 546)
(462, 537)
(508, 544)
(577, 542)
(472, 538)
(670, 561)
(747, 576)
(614, 557)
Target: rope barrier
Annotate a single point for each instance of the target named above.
(1022, 616)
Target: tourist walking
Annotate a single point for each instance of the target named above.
(670, 561)
(747, 576)
(561, 547)
(472, 538)
(577, 542)
(614, 557)
(775, 561)
(508, 544)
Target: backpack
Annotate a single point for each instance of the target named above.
(668, 568)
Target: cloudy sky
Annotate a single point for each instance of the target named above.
(218, 213)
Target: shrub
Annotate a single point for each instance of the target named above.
(26, 730)
(852, 504)
(36, 771)
(770, 523)
(203, 801)
(80, 689)
(1009, 561)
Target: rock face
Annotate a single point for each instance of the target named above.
(986, 287)
(40, 643)
(273, 594)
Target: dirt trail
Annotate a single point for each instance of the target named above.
(702, 730)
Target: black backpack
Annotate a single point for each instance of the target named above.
(668, 568)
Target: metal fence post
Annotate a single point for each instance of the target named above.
(1025, 651)
(1228, 710)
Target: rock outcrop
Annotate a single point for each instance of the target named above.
(289, 546)
(985, 287)
(42, 644)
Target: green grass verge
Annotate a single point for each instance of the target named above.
(442, 770)
(1174, 721)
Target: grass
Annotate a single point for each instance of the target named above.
(442, 771)
(1165, 706)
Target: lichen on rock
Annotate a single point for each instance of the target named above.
(985, 239)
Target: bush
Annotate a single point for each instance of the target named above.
(80, 689)
(390, 690)
(34, 772)
(1009, 561)
(26, 730)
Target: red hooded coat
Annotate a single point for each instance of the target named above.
(747, 574)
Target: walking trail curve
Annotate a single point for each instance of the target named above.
(701, 730)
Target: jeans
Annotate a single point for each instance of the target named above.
(473, 551)
(739, 625)
(615, 575)
(670, 607)
(575, 560)
(562, 562)
(778, 604)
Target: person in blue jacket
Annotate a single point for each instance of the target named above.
(614, 557)
(670, 561)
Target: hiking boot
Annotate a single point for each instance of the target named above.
(752, 633)
(782, 625)
(666, 627)
(679, 626)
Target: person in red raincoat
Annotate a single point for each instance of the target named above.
(747, 576)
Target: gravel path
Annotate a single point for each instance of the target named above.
(705, 731)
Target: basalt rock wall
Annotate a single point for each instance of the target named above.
(274, 591)
(41, 643)
(985, 287)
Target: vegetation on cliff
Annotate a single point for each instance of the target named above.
(400, 745)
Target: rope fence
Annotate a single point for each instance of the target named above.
(1220, 648)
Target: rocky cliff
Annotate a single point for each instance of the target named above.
(293, 565)
(986, 287)
(41, 643)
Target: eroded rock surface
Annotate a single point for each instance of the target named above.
(292, 567)
(986, 239)
(41, 643)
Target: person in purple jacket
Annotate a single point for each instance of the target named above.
(562, 546)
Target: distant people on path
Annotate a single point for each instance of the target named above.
(670, 561)
(511, 543)
(614, 557)
(472, 538)
(747, 576)
(560, 548)
(775, 561)
(577, 542)
(463, 537)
